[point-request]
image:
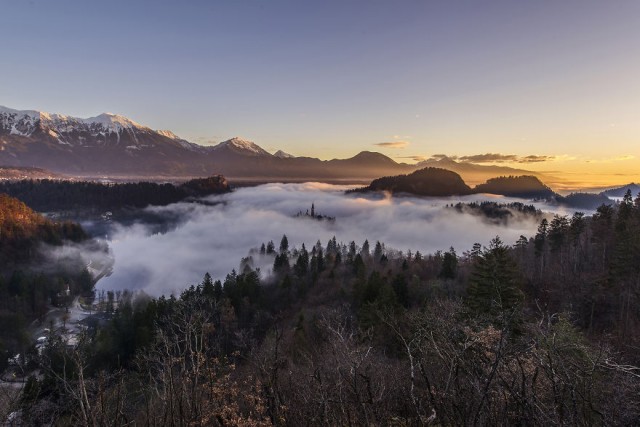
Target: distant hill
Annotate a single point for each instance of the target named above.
(621, 191)
(525, 187)
(441, 182)
(587, 201)
(432, 182)
(473, 173)
(437, 182)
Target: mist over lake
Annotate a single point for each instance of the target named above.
(215, 236)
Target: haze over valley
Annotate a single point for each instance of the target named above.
(285, 213)
(214, 238)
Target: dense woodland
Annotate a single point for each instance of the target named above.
(29, 281)
(62, 195)
(542, 331)
(436, 182)
(525, 186)
(433, 182)
(499, 213)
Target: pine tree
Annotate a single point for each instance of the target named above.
(449, 268)
(284, 244)
(365, 249)
(541, 236)
(576, 226)
(558, 231)
(522, 242)
(358, 266)
(601, 226)
(301, 266)
(377, 251)
(217, 289)
(540, 242)
(351, 254)
(320, 263)
(207, 286)
(476, 251)
(281, 263)
(271, 247)
(494, 287)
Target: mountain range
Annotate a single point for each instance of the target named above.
(115, 146)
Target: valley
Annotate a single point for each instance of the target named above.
(338, 213)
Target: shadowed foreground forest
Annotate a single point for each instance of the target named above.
(33, 276)
(542, 331)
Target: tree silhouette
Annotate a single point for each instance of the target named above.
(494, 285)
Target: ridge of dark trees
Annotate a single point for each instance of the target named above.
(524, 186)
(434, 182)
(543, 331)
(62, 195)
(499, 213)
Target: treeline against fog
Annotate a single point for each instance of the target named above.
(499, 213)
(57, 195)
(543, 331)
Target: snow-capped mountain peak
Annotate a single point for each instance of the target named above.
(242, 146)
(183, 142)
(112, 121)
(168, 134)
(22, 123)
(283, 155)
(26, 122)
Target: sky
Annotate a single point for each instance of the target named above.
(411, 79)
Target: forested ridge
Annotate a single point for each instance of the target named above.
(29, 281)
(525, 186)
(498, 213)
(64, 195)
(21, 229)
(433, 182)
(542, 331)
(436, 182)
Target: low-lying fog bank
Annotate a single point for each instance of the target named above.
(214, 237)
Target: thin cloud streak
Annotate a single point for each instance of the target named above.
(612, 159)
(488, 158)
(393, 144)
(505, 158)
(416, 159)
